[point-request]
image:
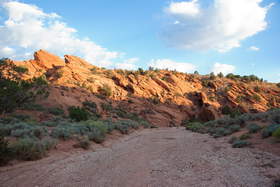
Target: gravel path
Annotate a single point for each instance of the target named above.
(157, 157)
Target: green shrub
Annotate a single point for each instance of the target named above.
(220, 132)
(155, 100)
(96, 136)
(29, 149)
(83, 143)
(78, 114)
(145, 124)
(21, 69)
(105, 90)
(276, 133)
(244, 136)
(269, 130)
(63, 133)
(5, 152)
(254, 128)
(220, 75)
(256, 97)
(40, 81)
(106, 107)
(194, 126)
(56, 111)
(97, 130)
(90, 106)
(240, 144)
(21, 117)
(234, 128)
(121, 113)
(5, 130)
(33, 107)
(122, 126)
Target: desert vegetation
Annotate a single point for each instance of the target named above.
(267, 124)
(22, 138)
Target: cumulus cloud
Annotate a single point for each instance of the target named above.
(254, 48)
(128, 64)
(184, 9)
(28, 28)
(221, 26)
(224, 68)
(172, 65)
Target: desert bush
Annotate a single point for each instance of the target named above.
(240, 144)
(245, 136)
(105, 90)
(275, 116)
(97, 130)
(32, 107)
(253, 128)
(220, 132)
(145, 124)
(278, 85)
(109, 125)
(234, 128)
(5, 152)
(106, 107)
(40, 81)
(256, 97)
(21, 69)
(90, 106)
(83, 143)
(29, 149)
(78, 114)
(194, 126)
(96, 136)
(56, 111)
(212, 76)
(220, 75)
(155, 100)
(63, 133)
(276, 133)
(233, 112)
(124, 125)
(269, 130)
(21, 117)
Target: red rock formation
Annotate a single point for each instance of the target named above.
(182, 96)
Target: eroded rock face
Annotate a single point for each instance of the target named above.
(164, 98)
(47, 60)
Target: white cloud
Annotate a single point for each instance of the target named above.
(128, 64)
(184, 9)
(28, 29)
(172, 65)
(254, 48)
(6, 51)
(221, 26)
(224, 68)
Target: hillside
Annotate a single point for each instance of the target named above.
(162, 97)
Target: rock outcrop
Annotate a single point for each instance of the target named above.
(163, 97)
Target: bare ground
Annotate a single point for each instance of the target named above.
(158, 157)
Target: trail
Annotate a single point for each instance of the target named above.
(158, 157)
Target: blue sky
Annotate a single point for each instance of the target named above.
(162, 33)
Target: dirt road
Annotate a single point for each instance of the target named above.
(158, 157)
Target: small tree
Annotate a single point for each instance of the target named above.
(196, 73)
(78, 114)
(212, 76)
(221, 75)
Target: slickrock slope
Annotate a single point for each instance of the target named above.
(164, 98)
